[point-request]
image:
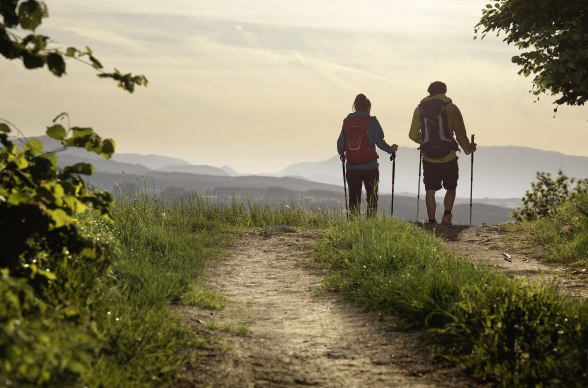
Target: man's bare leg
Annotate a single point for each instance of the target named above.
(449, 199)
(448, 204)
(431, 204)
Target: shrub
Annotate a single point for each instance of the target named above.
(45, 258)
(547, 194)
(563, 234)
(517, 334)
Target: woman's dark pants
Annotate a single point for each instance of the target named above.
(355, 180)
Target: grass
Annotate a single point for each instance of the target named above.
(119, 330)
(238, 330)
(563, 235)
(200, 297)
(113, 326)
(502, 330)
(165, 248)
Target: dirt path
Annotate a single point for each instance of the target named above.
(297, 336)
(489, 245)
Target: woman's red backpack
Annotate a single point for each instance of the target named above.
(357, 147)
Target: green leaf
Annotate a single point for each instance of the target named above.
(47, 274)
(56, 64)
(107, 217)
(79, 168)
(34, 144)
(74, 204)
(89, 252)
(47, 195)
(38, 42)
(31, 14)
(4, 128)
(60, 217)
(52, 158)
(21, 162)
(84, 138)
(71, 311)
(95, 63)
(71, 52)
(32, 61)
(8, 48)
(78, 132)
(56, 132)
(55, 188)
(126, 81)
(18, 198)
(107, 148)
(12, 300)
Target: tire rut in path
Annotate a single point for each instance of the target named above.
(299, 337)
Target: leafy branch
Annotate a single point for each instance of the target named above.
(553, 35)
(34, 49)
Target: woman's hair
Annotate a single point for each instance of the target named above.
(361, 102)
(437, 87)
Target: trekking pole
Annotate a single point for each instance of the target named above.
(342, 157)
(419, 185)
(471, 181)
(393, 159)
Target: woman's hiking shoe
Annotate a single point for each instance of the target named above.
(431, 224)
(446, 220)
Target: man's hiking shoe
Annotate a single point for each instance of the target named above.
(446, 220)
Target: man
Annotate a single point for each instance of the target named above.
(436, 124)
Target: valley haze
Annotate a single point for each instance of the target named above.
(501, 177)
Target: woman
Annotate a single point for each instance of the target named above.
(357, 144)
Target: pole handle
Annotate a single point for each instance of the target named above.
(472, 143)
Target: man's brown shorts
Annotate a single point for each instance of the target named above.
(436, 173)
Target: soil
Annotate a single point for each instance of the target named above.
(280, 328)
(299, 334)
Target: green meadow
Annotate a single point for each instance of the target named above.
(115, 326)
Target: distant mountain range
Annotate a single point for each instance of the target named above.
(499, 172)
(501, 177)
(151, 161)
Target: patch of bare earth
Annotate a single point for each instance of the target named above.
(297, 336)
(491, 246)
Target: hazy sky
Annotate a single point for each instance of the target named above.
(259, 85)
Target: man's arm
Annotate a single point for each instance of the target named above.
(415, 127)
(457, 125)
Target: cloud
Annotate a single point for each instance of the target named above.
(114, 40)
